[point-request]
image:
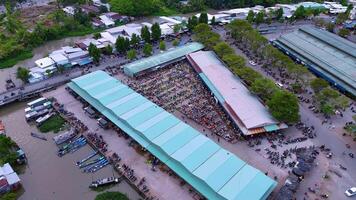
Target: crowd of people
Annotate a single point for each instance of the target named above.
(178, 88)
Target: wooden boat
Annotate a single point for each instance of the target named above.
(104, 181)
(2, 128)
(91, 162)
(87, 158)
(90, 168)
(97, 168)
(38, 136)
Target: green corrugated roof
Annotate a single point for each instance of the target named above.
(211, 170)
(138, 66)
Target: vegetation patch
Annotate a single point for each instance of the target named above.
(55, 123)
(8, 152)
(111, 196)
(11, 61)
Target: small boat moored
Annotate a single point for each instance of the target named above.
(104, 181)
(38, 136)
(2, 128)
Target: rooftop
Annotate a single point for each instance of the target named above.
(147, 63)
(331, 55)
(230, 91)
(213, 171)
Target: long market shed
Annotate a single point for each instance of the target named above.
(327, 55)
(160, 60)
(213, 171)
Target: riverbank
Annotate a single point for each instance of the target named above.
(59, 176)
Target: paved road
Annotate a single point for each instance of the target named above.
(11, 95)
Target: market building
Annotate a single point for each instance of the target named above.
(244, 108)
(329, 56)
(160, 60)
(213, 171)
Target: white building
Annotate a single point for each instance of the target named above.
(8, 178)
(66, 57)
(335, 7)
(69, 10)
(126, 30)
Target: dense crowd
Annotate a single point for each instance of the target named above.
(178, 88)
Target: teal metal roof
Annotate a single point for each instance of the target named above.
(138, 66)
(213, 171)
(328, 54)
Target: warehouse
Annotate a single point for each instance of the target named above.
(327, 55)
(213, 171)
(244, 108)
(160, 60)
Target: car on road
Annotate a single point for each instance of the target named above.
(280, 85)
(350, 192)
(252, 63)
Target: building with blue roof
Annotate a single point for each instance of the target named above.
(160, 60)
(213, 171)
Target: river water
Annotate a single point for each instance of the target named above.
(48, 176)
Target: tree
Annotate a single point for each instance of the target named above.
(233, 60)
(192, 22)
(250, 16)
(213, 21)
(247, 74)
(222, 48)
(147, 49)
(94, 52)
(260, 17)
(299, 13)
(264, 88)
(175, 42)
(317, 84)
(145, 34)
(284, 106)
(135, 40)
(135, 7)
(176, 28)
(341, 18)
(344, 32)
(103, 9)
(131, 54)
(96, 36)
(9, 196)
(162, 45)
(204, 35)
(203, 18)
(279, 13)
(81, 17)
(343, 2)
(111, 196)
(108, 50)
(121, 45)
(156, 32)
(197, 4)
(23, 74)
(330, 27)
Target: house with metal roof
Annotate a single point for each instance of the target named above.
(243, 107)
(213, 171)
(160, 60)
(327, 55)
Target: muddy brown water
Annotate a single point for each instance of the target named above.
(47, 176)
